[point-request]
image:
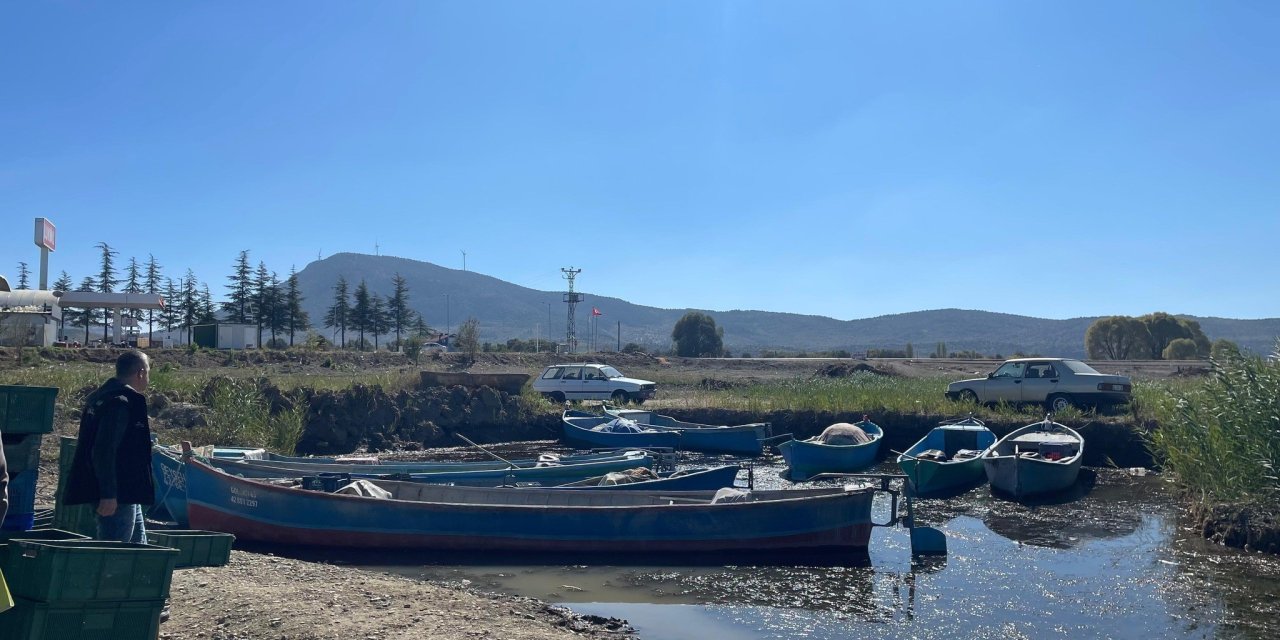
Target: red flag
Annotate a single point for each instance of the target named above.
(595, 312)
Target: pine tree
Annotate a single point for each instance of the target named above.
(379, 321)
(107, 280)
(190, 303)
(152, 284)
(338, 314)
(63, 283)
(401, 315)
(274, 302)
(261, 295)
(24, 275)
(208, 312)
(360, 311)
(171, 314)
(297, 319)
(240, 299)
(133, 284)
(420, 327)
(87, 316)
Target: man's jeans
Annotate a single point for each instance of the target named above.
(126, 525)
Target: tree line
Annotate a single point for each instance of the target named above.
(254, 297)
(1155, 336)
(363, 312)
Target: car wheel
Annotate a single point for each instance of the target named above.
(969, 395)
(557, 397)
(638, 400)
(619, 397)
(1058, 403)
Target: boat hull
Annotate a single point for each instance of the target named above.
(745, 439)
(1020, 477)
(282, 515)
(807, 459)
(584, 437)
(1014, 465)
(928, 476)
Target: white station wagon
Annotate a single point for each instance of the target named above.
(585, 381)
(1055, 382)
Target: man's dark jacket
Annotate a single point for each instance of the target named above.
(113, 456)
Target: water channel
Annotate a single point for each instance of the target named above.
(1109, 561)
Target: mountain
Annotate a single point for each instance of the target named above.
(449, 296)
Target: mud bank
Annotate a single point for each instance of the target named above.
(1245, 527)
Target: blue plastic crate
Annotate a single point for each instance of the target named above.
(22, 501)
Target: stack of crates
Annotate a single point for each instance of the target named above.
(85, 589)
(26, 414)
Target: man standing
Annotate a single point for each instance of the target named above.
(112, 467)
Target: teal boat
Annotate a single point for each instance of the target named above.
(948, 458)
(1039, 458)
(808, 458)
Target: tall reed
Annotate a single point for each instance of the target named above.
(1221, 437)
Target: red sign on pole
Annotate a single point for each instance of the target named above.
(46, 234)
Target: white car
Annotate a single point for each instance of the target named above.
(585, 381)
(1055, 382)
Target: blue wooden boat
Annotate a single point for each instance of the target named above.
(491, 477)
(171, 490)
(441, 517)
(947, 458)
(808, 458)
(743, 439)
(1039, 458)
(593, 431)
(303, 467)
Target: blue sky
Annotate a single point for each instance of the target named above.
(848, 159)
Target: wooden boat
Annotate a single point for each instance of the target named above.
(808, 458)
(591, 430)
(744, 439)
(330, 465)
(1039, 458)
(689, 480)
(947, 458)
(171, 490)
(440, 517)
(552, 474)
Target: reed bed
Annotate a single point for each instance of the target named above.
(861, 392)
(1220, 437)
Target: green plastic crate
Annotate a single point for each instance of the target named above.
(82, 570)
(195, 548)
(25, 409)
(130, 620)
(80, 518)
(22, 451)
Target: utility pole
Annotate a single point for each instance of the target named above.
(572, 299)
(619, 336)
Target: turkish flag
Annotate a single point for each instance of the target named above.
(595, 312)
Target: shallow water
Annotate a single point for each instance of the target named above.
(1107, 561)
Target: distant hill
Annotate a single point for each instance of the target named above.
(506, 310)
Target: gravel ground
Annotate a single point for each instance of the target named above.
(262, 596)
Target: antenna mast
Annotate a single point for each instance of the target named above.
(572, 299)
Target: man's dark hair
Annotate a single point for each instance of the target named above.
(129, 363)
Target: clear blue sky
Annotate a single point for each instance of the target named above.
(848, 159)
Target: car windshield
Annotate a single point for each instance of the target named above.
(610, 372)
(1078, 367)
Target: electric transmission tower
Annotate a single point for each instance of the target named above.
(572, 299)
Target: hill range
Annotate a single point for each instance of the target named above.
(504, 310)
